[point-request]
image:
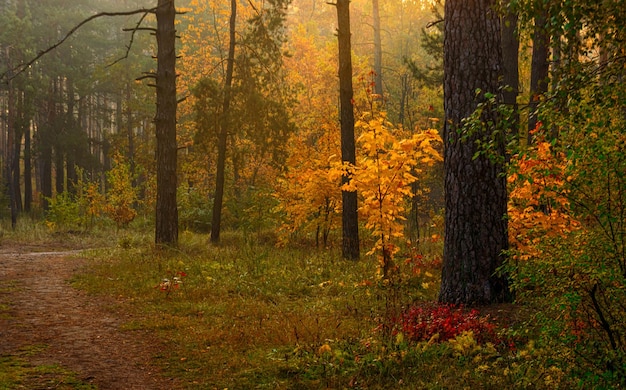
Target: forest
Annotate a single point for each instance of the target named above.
(418, 194)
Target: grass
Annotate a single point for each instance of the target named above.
(17, 373)
(246, 312)
(250, 315)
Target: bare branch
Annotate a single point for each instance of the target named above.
(151, 29)
(14, 72)
(434, 23)
(132, 36)
(256, 10)
(146, 75)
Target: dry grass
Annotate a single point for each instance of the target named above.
(244, 308)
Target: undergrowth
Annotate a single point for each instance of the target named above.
(246, 314)
(17, 373)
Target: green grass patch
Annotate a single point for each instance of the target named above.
(246, 314)
(17, 373)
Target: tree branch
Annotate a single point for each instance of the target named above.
(132, 37)
(15, 71)
(434, 23)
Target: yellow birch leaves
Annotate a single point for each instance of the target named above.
(387, 165)
(389, 160)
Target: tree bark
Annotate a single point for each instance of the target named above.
(72, 144)
(166, 230)
(9, 162)
(130, 134)
(378, 51)
(44, 147)
(28, 179)
(350, 221)
(216, 222)
(510, 62)
(17, 148)
(475, 188)
(540, 66)
(27, 116)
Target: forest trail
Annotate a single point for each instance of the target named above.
(47, 322)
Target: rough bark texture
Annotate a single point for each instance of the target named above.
(216, 221)
(350, 221)
(166, 231)
(476, 230)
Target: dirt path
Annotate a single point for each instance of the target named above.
(76, 331)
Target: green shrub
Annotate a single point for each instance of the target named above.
(571, 264)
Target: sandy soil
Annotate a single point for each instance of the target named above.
(69, 328)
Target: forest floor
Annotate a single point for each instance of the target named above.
(45, 322)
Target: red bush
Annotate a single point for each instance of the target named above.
(421, 323)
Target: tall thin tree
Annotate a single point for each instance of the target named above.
(540, 67)
(350, 221)
(216, 221)
(378, 50)
(510, 61)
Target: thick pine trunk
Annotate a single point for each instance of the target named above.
(350, 221)
(166, 231)
(475, 188)
(216, 222)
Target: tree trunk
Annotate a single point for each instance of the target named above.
(44, 147)
(216, 222)
(166, 230)
(475, 188)
(17, 148)
(72, 146)
(350, 221)
(9, 161)
(378, 51)
(130, 134)
(28, 179)
(27, 119)
(510, 62)
(540, 66)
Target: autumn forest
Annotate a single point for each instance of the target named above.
(363, 194)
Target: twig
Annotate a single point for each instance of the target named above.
(132, 38)
(14, 72)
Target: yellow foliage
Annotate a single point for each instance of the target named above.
(121, 196)
(386, 167)
(324, 349)
(464, 344)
